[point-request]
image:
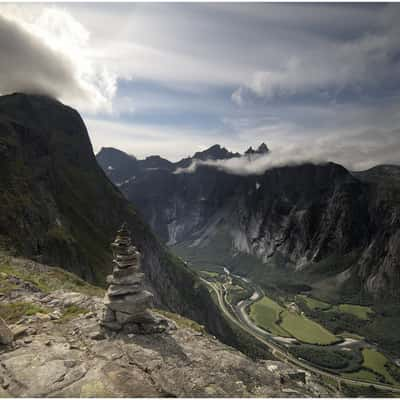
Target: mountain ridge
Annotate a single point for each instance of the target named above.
(109, 155)
(306, 214)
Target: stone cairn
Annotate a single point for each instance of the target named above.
(127, 303)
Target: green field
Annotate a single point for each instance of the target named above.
(265, 313)
(306, 330)
(376, 361)
(374, 368)
(314, 304)
(269, 315)
(361, 312)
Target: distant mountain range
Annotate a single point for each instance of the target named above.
(334, 230)
(121, 167)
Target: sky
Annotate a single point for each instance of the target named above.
(317, 80)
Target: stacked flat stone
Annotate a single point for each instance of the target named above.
(127, 303)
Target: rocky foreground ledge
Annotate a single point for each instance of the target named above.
(60, 351)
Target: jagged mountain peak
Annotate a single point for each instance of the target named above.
(261, 149)
(215, 152)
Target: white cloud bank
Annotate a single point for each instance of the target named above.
(255, 165)
(48, 53)
(360, 151)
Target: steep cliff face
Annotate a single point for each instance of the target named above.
(58, 207)
(56, 203)
(306, 213)
(318, 220)
(379, 266)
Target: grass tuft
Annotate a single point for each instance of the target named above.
(49, 279)
(12, 312)
(71, 312)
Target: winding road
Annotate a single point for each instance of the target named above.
(238, 315)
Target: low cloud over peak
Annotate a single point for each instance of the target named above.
(254, 164)
(349, 153)
(37, 57)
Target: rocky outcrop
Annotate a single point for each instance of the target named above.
(126, 304)
(60, 351)
(180, 363)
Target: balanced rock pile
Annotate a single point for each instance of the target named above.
(126, 304)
